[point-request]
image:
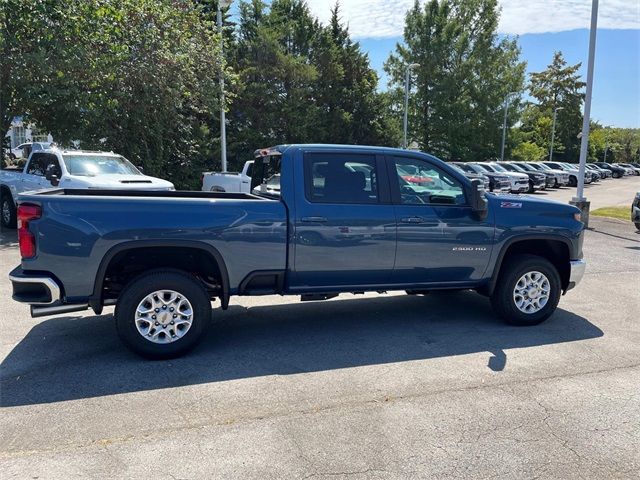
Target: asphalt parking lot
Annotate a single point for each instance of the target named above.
(389, 386)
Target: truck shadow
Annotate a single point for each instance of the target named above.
(80, 357)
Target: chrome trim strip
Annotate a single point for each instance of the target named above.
(577, 271)
(54, 289)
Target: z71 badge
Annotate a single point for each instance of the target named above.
(510, 204)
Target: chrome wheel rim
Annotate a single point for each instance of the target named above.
(531, 292)
(164, 316)
(6, 212)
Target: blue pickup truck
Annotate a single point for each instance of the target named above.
(320, 220)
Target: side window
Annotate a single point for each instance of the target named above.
(422, 183)
(341, 178)
(36, 165)
(51, 159)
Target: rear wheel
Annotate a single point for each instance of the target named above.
(573, 182)
(528, 290)
(8, 211)
(637, 224)
(163, 314)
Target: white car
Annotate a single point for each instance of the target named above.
(71, 169)
(519, 181)
(24, 149)
(228, 181)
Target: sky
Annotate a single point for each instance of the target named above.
(542, 27)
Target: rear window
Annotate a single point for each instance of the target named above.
(341, 178)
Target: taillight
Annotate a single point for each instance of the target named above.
(26, 239)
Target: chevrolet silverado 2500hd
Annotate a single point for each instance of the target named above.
(321, 220)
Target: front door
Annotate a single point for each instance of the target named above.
(439, 238)
(344, 222)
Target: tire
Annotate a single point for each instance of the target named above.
(8, 211)
(637, 224)
(134, 330)
(504, 296)
(573, 182)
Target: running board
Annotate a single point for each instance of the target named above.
(38, 311)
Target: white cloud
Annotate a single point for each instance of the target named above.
(385, 18)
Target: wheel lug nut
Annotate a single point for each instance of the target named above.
(173, 323)
(164, 307)
(171, 309)
(164, 326)
(175, 316)
(153, 316)
(157, 324)
(157, 310)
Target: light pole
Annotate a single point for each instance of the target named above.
(579, 200)
(407, 77)
(553, 131)
(223, 127)
(504, 123)
(605, 153)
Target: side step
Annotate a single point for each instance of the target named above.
(38, 311)
(310, 297)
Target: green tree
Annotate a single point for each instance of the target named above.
(528, 152)
(350, 108)
(465, 73)
(558, 86)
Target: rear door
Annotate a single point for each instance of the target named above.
(344, 223)
(439, 238)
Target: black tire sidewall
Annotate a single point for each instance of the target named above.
(12, 208)
(502, 298)
(139, 288)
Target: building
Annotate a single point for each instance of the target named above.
(19, 133)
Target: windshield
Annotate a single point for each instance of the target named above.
(525, 167)
(542, 166)
(90, 165)
(498, 168)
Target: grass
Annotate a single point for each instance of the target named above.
(622, 213)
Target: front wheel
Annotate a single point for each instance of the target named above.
(528, 290)
(637, 224)
(573, 182)
(163, 314)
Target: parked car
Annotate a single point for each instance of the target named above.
(635, 211)
(166, 255)
(472, 176)
(228, 181)
(537, 180)
(633, 170)
(562, 178)
(595, 174)
(604, 173)
(24, 149)
(519, 181)
(71, 169)
(549, 178)
(571, 170)
(498, 183)
(616, 172)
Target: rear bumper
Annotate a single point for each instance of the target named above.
(34, 289)
(577, 268)
(42, 293)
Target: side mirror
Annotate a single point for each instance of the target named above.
(52, 175)
(141, 168)
(478, 200)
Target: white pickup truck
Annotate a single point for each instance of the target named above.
(228, 181)
(71, 169)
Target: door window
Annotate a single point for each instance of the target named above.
(339, 178)
(421, 183)
(37, 165)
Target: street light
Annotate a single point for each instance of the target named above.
(223, 127)
(504, 123)
(553, 131)
(407, 74)
(605, 153)
(579, 200)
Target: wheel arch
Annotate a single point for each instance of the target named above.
(556, 249)
(120, 252)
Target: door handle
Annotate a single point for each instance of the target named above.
(314, 219)
(412, 220)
